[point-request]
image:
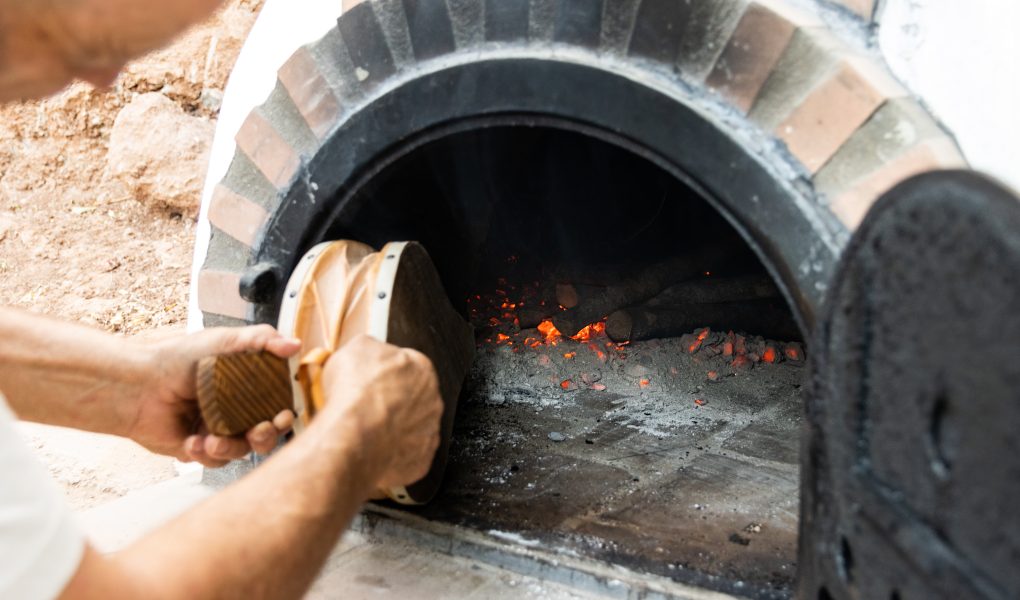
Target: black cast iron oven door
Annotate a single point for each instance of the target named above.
(911, 462)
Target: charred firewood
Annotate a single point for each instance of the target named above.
(530, 316)
(570, 296)
(769, 318)
(639, 287)
(566, 295)
(711, 290)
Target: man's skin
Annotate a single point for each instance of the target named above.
(267, 535)
(48, 43)
(70, 375)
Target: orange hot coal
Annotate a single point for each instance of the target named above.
(589, 331)
(697, 343)
(552, 335)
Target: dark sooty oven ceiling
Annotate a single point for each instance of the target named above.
(540, 194)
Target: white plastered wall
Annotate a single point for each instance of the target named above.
(960, 56)
(282, 27)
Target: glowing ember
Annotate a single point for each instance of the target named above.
(598, 387)
(497, 315)
(552, 335)
(702, 334)
(740, 362)
(700, 402)
(589, 331)
(740, 345)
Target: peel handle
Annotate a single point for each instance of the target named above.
(238, 391)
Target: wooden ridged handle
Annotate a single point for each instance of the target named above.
(238, 391)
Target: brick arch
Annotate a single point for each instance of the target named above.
(830, 117)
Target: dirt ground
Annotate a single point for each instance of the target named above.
(108, 242)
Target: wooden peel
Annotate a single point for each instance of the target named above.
(238, 391)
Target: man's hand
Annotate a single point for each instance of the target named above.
(168, 420)
(268, 534)
(44, 44)
(387, 399)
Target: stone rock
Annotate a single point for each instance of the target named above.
(160, 153)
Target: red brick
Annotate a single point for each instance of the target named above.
(218, 293)
(830, 114)
(311, 94)
(260, 141)
(237, 216)
(757, 43)
(852, 205)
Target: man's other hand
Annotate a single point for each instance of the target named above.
(168, 419)
(46, 44)
(386, 399)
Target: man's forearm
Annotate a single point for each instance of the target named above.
(266, 536)
(66, 374)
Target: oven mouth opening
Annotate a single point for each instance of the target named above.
(676, 454)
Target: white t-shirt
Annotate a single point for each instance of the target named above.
(40, 543)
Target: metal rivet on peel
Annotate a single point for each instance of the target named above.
(382, 295)
(292, 293)
(391, 256)
(310, 256)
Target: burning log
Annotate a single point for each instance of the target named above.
(764, 317)
(566, 295)
(638, 288)
(530, 316)
(711, 290)
(572, 295)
